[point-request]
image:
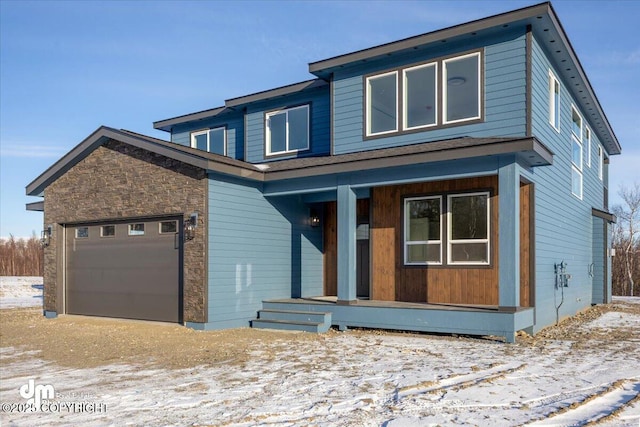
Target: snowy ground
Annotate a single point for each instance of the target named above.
(353, 378)
(20, 292)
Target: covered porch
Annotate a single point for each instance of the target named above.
(492, 294)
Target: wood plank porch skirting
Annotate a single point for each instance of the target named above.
(419, 317)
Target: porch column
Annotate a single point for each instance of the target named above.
(509, 234)
(346, 245)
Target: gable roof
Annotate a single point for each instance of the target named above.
(529, 151)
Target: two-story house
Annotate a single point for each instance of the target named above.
(451, 182)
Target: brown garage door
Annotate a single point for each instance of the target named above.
(125, 269)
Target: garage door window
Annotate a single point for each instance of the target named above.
(108, 231)
(168, 227)
(82, 232)
(136, 229)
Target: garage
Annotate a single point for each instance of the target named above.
(128, 269)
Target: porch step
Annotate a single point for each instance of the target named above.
(293, 320)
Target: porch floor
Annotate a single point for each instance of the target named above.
(360, 302)
(414, 316)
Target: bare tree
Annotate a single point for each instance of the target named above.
(21, 257)
(627, 233)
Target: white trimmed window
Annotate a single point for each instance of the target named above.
(382, 103)
(554, 101)
(287, 131)
(576, 153)
(461, 88)
(468, 229)
(600, 162)
(423, 230)
(211, 140)
(420, 96)
(587, 142)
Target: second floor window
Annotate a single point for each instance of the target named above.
(554, 101)
(287, 131)
(439, 93)
(211, 140)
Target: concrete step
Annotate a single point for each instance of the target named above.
(288, 325)
(293, 320)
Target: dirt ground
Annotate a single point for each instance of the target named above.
(82, 342)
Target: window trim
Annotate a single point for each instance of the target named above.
(368, 103)
(407, 243)
(405, 86)
(444, 89)
(194, 134)
(451, 241)
(267, 132)
(554, 111)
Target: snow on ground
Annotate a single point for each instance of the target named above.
(355, 379)
(20, 292)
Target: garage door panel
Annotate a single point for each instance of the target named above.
(123, 275)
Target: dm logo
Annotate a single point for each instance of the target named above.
(35, 394)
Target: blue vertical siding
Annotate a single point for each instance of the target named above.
(319, 131)
(181, 134)
(504, 89)
(258, 249)
(563, 223)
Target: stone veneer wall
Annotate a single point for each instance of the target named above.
(118, 181)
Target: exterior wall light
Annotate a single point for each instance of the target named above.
(190, 227)
(314, 219)
(45, 237)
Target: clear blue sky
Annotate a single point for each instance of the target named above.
(67, 67)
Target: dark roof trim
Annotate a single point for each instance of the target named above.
(607, 216)
(167, 124)
(192, 156)
(528, 150)
(462, 148)
(415, 41)
(232, 103)
(274, 93)
(36, 206)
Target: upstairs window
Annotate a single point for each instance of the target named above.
(554, 101)
(587, 143)
(211, 140)
(420, 96)
(600, 162)
(442, 92)
(576, 153)
(382, 104)
(287, 131)
(461, 88)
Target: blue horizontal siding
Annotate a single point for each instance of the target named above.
(258, 249)
(563, 223)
